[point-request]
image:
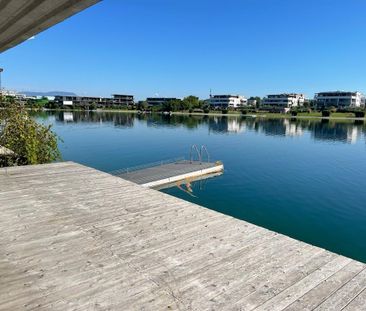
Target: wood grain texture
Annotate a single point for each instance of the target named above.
(74, 238)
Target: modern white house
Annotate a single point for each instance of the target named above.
(252, 102)
(227, 101)
(286, 100)
(339, 99)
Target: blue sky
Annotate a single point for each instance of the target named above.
(178, 48)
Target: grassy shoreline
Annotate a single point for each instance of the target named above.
(314, 115)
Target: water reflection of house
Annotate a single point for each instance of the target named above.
(235, 126)
(123, 120)
(226, 125)
(272, 127)
(68, 117)
(118, 119)
(279, 127)
(353, 134)
(336, 132)
(292, 128)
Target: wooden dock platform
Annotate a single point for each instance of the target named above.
(162, 174)
(74, 238)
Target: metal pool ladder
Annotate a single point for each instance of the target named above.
(199, 152)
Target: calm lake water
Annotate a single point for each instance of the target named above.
(303, 178)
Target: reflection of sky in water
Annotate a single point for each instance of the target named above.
(304, 178)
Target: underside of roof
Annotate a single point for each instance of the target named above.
(22, 19)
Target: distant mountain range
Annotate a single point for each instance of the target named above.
(52, 93)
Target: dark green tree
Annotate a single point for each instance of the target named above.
(173, 105)
(191, 102)
(141, 105)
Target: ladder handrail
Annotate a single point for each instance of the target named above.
(194, 147)
(203, 148)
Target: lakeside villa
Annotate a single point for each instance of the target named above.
(117, 99)
(227, 101)
(284, 100)
(339, 99)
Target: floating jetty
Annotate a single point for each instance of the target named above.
(74, 238)
(164, 173)
(161, 174)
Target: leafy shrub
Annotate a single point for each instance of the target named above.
(224, 111)
(332, 109)
(359, 114)
(93, 106)
(33, 143)
(325, 113)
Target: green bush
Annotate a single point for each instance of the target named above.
(294, 113)
(359, 114)
(32, 143)
(332, 109)
(93, 106)
(325, 113)
(206, 110)
(224, 111)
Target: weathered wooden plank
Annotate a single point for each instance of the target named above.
(358, 303)
(295, 291)
(328, 287)
(76, 238)
(345, 294)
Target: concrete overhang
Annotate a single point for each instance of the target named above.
(22, 19)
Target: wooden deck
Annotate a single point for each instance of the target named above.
(74, 238)
(159, 175)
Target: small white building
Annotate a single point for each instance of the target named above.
(227, 101)
(252, 102)
(284, 100)
(339, 99)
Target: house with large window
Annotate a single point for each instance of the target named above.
(227, 101)
(286, 100)
(339, 99)
(118, 99)
(123, 100)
